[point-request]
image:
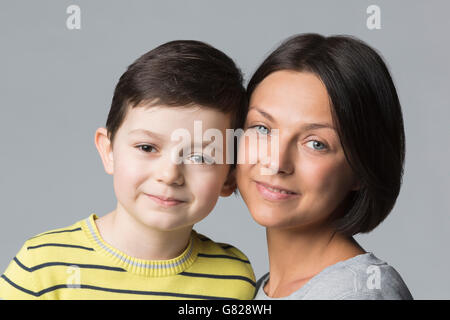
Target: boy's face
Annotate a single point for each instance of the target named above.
(146, 174)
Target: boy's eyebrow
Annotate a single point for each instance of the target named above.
(147, 132)
(158, 136)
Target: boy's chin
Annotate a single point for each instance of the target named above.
(164, 221)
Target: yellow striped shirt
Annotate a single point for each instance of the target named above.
(76, 263)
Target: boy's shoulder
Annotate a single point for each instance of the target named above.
(212, 247)
(68, 235)
(227, 255)
(31, 269)
(56, 245)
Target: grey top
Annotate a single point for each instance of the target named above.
(363, 277)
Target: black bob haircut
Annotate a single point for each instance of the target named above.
(366, 112)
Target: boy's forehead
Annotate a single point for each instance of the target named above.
(161, 122)
(164, 119)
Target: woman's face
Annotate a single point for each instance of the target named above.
(312, 168)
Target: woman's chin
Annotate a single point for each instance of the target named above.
(277, 220)
(271, 219)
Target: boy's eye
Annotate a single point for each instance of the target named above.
(261, 129)
(316, 145)
(200, 159)
(146, 148)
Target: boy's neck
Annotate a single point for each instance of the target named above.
(123, 232)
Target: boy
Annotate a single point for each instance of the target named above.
(146, 248)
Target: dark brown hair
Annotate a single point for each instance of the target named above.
(366, 112)
(180, 73)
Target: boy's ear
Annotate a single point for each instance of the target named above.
(104, 148)
(230, 184)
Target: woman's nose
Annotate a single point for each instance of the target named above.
(281, 158)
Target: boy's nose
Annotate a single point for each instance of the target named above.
(169, 173)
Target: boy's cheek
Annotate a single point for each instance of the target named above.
(128, 173)
(207, 187)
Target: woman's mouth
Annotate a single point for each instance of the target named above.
(272, 193)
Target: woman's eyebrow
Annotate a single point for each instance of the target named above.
(313, 126)
(263, 113)
(304, 127)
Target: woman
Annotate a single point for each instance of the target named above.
(337, 173)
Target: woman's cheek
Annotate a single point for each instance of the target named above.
(327, 179)
(248, 149)
(240, 172)
(317, 176)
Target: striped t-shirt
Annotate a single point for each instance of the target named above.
(76, 263)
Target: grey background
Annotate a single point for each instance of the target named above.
(57, 84)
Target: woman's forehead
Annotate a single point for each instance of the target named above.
(292, 98)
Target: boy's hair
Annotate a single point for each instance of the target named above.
(180, 73)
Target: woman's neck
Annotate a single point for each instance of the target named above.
(295, 256)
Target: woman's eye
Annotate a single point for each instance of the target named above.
(316, 145)
(199, 159)
(261, 129)
(146, 148)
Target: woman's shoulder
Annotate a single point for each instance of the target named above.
(362, 277)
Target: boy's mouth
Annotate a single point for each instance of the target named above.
(165, 201)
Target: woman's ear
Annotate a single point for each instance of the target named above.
(230, 184)
(356, 185)
(104, 148)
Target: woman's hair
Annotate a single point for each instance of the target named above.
(366, 112)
